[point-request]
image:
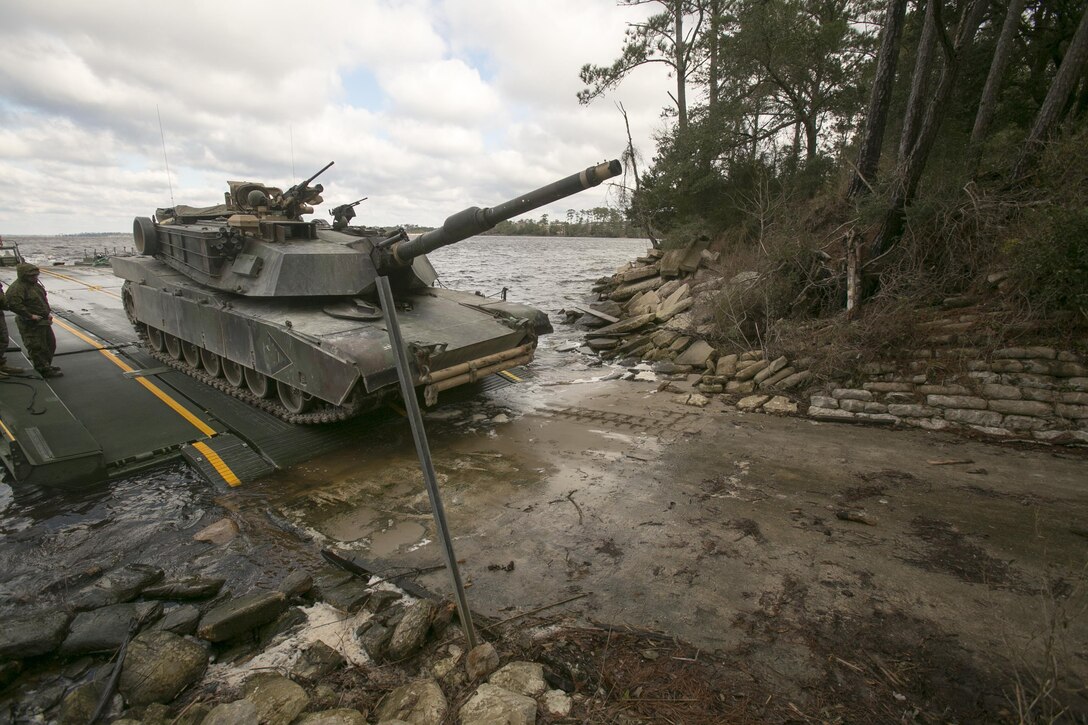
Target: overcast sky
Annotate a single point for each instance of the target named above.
(425, 106)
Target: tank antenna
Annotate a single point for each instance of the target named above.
(162, 135)
(291, 131)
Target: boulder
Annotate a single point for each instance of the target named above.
(492, 704)
(375, 640)
(752, 402)
(159, 665)
(380, 599)
(239, 712)
(747, 373)
(557, 703)
(316, 661)
(419, 703)
(482, 660)
(411, 631)
(697, 354)
(347, 597)
(278, 700)
(340, 716)
(221, 532)
(79, 704)
(524, 678)
(780, 404)
(32, 634)
(180, 620)
(106, 629)
(241, 615)
(194, 587)
(119, 585)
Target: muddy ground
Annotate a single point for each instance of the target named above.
(811, 570)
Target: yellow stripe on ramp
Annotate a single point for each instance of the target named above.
(509, 376)
(218, 464)
(89, 286)
(155, 389)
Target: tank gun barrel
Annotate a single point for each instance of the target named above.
(474, 220)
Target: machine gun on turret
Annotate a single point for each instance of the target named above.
(300, 198)
(344, 213)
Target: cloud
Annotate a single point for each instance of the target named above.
(425, 105)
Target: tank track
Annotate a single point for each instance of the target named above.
(326, 414)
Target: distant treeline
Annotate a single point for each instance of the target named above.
(598, 222)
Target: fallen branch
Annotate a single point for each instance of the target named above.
(534, 611)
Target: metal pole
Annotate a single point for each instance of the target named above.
(411, 405)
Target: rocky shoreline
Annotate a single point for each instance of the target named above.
(656, 314)
(139, 646)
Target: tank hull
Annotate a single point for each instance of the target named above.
(334, 360)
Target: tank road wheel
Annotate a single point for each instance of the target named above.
(258, 383)
(191, 353)
(234, 373)
(211, 362)
(295, 400)
(144, 236)
(173, 346)
(154, 339)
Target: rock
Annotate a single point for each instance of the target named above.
(775, 365)
(119, 585)
(291, 618)
(278, 700)
(740, 388)
(943, 390)
(1022, 353)
(856, 516)
(696, 354)
(973, 417)
(1072, 412)
(822, 401)
(888, 387)
(159, 665)
(375, 641)
(861, 406)
(221, 532)
(568, 346)
(106, 629)
(241, 615)
(196, 587)
(501, 418)
(777, 378)
(697, 400)
(624, 326)
(32, 634)
(956, 401)
(749, 372)
(680, 343)
(420, 703)
(851, 394)
(347, 597)
(752, 402)
(482, 660)
(1022, 407)
(1005, 392)
(491, 704)
(670, 368)
(79, 705)
(316, 661)
(829, 414)
(781, 405)
(180, 620)
(239, 712)
(380, 599)
(1023, 422)
(727, 366)
(525, 678)
(341, 716)
(411, 632)
(910, 410)
(556, 703)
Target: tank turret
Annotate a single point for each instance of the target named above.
(252, 298)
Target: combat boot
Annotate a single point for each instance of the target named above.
(51, 373)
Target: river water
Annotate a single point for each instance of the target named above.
(52, 541)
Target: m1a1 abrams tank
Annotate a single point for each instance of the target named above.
(282, 312)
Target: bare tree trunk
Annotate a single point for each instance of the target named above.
(636, 201)
(1002, 52)
(911, 168)
(810, 137)
(715, 31)
(680, 56)
(873, 134)
(1050, 113)
(919, 80)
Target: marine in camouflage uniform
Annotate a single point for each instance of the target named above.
(26, 297)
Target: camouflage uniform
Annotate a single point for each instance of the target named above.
(26, 297)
